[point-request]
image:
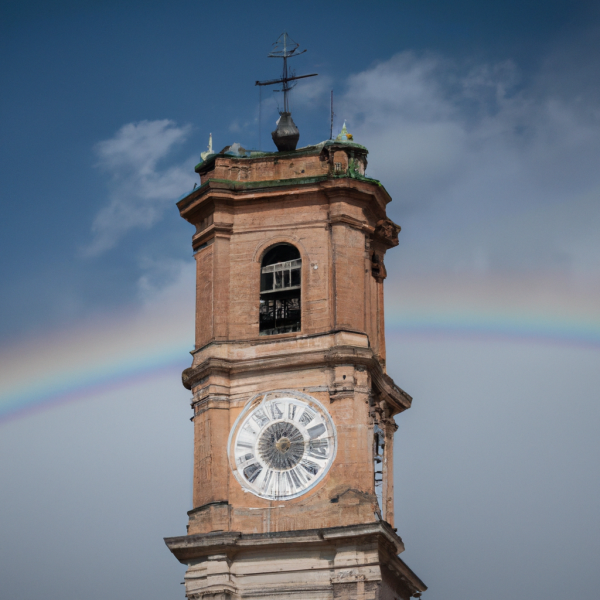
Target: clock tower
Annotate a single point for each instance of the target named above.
(293, 489)
(293, 408)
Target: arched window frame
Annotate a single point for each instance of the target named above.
(280, 309)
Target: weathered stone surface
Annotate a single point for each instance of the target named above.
(357, 562)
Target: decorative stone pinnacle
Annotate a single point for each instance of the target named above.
(203, 155)
(344, 136)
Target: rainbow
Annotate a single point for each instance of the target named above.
(547, 310)
(93, 356)
(121, 349)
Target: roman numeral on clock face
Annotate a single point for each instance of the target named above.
(318, 449)
(276, 410)
(307, 416)
(245, 458)
(260, 417)
(296, 480)
(310, 467)
(266, 484)
(251, 472)
(317, 430)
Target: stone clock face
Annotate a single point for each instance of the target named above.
(282, 445)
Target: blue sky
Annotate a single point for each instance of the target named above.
(482, 121)
(74, 73)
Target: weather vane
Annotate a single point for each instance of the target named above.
(286, 135)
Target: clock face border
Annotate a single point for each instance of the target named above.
(265, 398)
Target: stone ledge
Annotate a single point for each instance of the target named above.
(199, 545)
(326, 349)
(223, 190)
(294, 564)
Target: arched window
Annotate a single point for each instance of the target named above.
(280, 290)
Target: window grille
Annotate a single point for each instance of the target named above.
(280, 289)
(280, 276)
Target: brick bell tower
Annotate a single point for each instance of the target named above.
(293, 409)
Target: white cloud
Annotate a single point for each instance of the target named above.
(165, 282)
(487, 173)
(311, 91)
(140, 189)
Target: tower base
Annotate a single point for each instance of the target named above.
(356, 562)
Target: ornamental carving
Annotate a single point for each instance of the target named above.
(387, 231)
(377, 267)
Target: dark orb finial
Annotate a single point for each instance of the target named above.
(286, 135)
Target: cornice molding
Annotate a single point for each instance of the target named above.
(234, 192)
(229, 544)
(303, 359)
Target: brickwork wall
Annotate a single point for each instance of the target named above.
(211, 467)
(204, 296)
(257, 226)
(346, 494)
(266, 168)
(332, 227)
(348, 260)
(338, 289)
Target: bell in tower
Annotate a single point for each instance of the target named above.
(293, 409)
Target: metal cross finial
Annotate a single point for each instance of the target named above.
(285, 47)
